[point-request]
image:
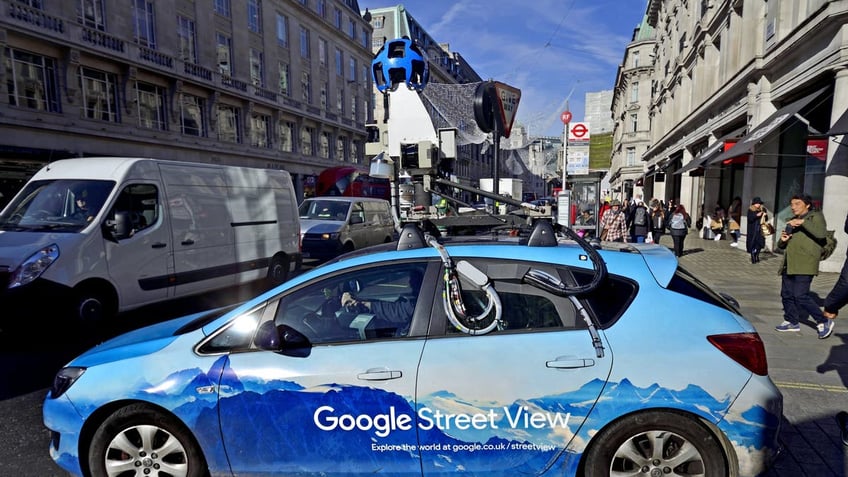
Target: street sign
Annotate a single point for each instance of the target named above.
(507, 98)
(578, 133)
(565, 117)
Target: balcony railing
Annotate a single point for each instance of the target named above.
(152, 56)
(233, 83)
(197, 71)
(103, 40)
(35, 17)
(265, 94)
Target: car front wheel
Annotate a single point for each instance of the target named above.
(656, 443)
(140, 441)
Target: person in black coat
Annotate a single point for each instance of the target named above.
(838, 296)
(755, 241)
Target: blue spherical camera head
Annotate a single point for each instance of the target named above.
(400, 61)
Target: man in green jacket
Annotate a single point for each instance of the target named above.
(801, 243)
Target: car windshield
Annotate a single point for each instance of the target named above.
(324, 210)
(64, 205)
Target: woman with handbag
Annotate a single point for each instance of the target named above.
(757, 219)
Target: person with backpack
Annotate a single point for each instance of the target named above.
(657, 220)
(801, 242)
(679, 222)
(640, 222)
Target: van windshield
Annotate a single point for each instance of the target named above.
(63, 205)
(318, 209)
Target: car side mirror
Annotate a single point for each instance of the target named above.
(282, 339)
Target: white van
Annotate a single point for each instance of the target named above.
(331, 226)
(111, 234)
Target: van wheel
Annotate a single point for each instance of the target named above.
(93, 306)
(278, 270)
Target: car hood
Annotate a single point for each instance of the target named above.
(15, 247)
(136, 343)
(314, 226)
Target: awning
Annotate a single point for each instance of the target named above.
(747, 143)
(712, 151)
(840, 126)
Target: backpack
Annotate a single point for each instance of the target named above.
(829, 245)
(678, 222)
(658, 221)
(640, 216)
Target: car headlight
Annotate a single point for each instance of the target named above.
(34, 266)
(64, 379)
(332, 236)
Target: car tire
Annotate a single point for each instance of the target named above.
(131, 439)
(278, 270)
(93, 305)
(650, 443)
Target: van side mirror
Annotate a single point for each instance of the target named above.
(122, 226)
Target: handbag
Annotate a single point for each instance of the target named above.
(604, 234)
(765, 226)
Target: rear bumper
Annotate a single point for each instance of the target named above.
(752, 426)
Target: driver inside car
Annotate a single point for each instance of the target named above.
(398, 311)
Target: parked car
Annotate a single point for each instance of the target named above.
(507, 356)
(330, 226)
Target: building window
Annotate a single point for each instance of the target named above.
(340, 101)
(365, 73)
(321, 8)
(222, 7)
(634, 92)
(225, 54)
(351, 28)
(635, 59)
(282, 30)
(306, 140)
(324, 145)
(228, 123)
(257, 68)
(634, 122)
(352, 69)
(323, 97)
(306, 87)
(337, 18)
(91, 14)
(284, 78)
(31, 81)
(286, 129)
(322, 52)
(99, 95)
(682, 44)
(353, 107)
(304, 43)
(339, 62)
(143, 22)
(254, 16)
(365, 40)
(192, 115)
(259, 131)
(340, 148)
(188, 39)
(354, 152)
(37, 4)
(630, 159)
(151, 106)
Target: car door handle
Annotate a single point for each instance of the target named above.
(187, 242)
(159, 245)
(379, 375)
(570, 363)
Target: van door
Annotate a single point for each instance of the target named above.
(140, 265)
(204, 257)
(358, 224)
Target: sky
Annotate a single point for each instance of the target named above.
(552, 50)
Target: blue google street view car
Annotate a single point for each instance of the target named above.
(520, 356)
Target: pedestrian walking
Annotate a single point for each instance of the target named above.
(614, 224)
(801, 242)
(838, 296)
(678, 226)
(640, 223)
(734, 218)
(657, 220)
(756, 241)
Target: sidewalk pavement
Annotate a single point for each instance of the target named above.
(811, 373)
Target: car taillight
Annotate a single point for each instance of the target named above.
(746, 349)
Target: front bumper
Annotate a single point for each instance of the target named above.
(64, 423)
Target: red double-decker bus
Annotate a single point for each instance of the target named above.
(350, 181)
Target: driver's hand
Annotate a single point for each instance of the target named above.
(348, 299)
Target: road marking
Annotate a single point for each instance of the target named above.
(821, 387)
